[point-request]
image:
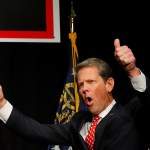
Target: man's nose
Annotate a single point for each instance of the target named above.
(85, 87)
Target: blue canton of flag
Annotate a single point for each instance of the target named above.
(68, 100)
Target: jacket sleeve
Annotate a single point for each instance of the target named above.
(34, 131)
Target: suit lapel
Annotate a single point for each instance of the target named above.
(103, 124)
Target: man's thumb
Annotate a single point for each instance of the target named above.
(117, 43)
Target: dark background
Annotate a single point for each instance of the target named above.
(32, 74)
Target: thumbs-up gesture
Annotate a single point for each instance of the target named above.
(126, 58)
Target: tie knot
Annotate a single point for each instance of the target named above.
(96, 118)
(95, 121)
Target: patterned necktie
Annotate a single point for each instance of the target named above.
(90, 137)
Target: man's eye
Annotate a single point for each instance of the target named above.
(91, 81)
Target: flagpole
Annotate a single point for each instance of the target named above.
(72, 37)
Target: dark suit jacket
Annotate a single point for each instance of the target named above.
(124, 127)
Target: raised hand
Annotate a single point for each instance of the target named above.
(126, 58)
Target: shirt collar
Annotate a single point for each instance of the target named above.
(106, 111)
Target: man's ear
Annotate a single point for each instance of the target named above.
(110, 84)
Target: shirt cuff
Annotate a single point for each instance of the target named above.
(5, 112)
(139, 82)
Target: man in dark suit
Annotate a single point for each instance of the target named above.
(121, 126)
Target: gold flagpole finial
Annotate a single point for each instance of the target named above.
(72, 18)
(73, 14)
